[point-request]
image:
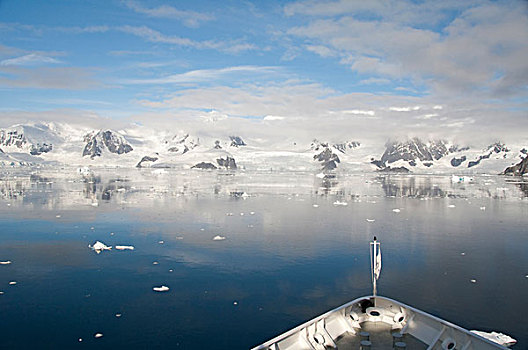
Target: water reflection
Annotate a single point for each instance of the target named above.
(141, 188)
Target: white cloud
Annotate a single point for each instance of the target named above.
(149, 34)
(29, 60)
(482, 51)
(189, 18)
(404, 109)
(205, 75)
(372, 81)
(273, 118)
(358, 112)
(67, 78)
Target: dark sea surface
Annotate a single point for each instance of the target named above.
(292, 250)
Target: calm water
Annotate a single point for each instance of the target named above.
(292, 251)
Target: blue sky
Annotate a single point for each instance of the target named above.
(417, 65)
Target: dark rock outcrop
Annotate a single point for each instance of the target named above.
(146, 159)
(401, 169)
(38, 149)
(345, 146)
(228, 163)
(217, 145)
(328, 159)
(105, 139)
(237, 141)
(413, 150)
(204, 165)
(497, 147)
(519, 169)
(457, 161)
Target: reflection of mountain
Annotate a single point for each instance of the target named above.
(156, 191)
(410, 187)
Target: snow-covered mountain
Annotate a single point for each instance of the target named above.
(138, 146)
(98, 142)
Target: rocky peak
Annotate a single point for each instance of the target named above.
(237, 141)
(97, 142)
(182, 143)
(35, 139)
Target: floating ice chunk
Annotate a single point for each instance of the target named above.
(316, 205)
(371, 220)
(158, 172)
(95, 204)
(218, 238)
(1, 292)
(473, 281)
(155, 263)
(57, 216)
(251, 213)
(338, 203)
(98, 335)
(463, 253)
(396, 210)
(496, 337)
(117, 315)
(99, 247)
(161, 242)
(451, 206)
(482, 208)
(161, 289)
(12, 283)
(241, 214)
(5, 262)
(320, 175)
(124, 247)
(229, 214)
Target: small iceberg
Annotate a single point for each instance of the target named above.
(496, 337)
(396, 210)
(218, 238)
(161, 289)
(338, 203)
(461, 179)
(124, 247)
(98, 335)
(8, 262)
(99, 247)
(371, 220)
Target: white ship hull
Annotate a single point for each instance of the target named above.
(375, 322)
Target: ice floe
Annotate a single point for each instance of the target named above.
(161, 289)
(8, 262)
(496, 337)
(98, 335)
(219, 238)
(371, 220)
(396, 210)
(315, 205)
(12, 283)
(99, 246)
(338, 203)
(124, 247)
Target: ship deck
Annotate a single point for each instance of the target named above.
(380, 336)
